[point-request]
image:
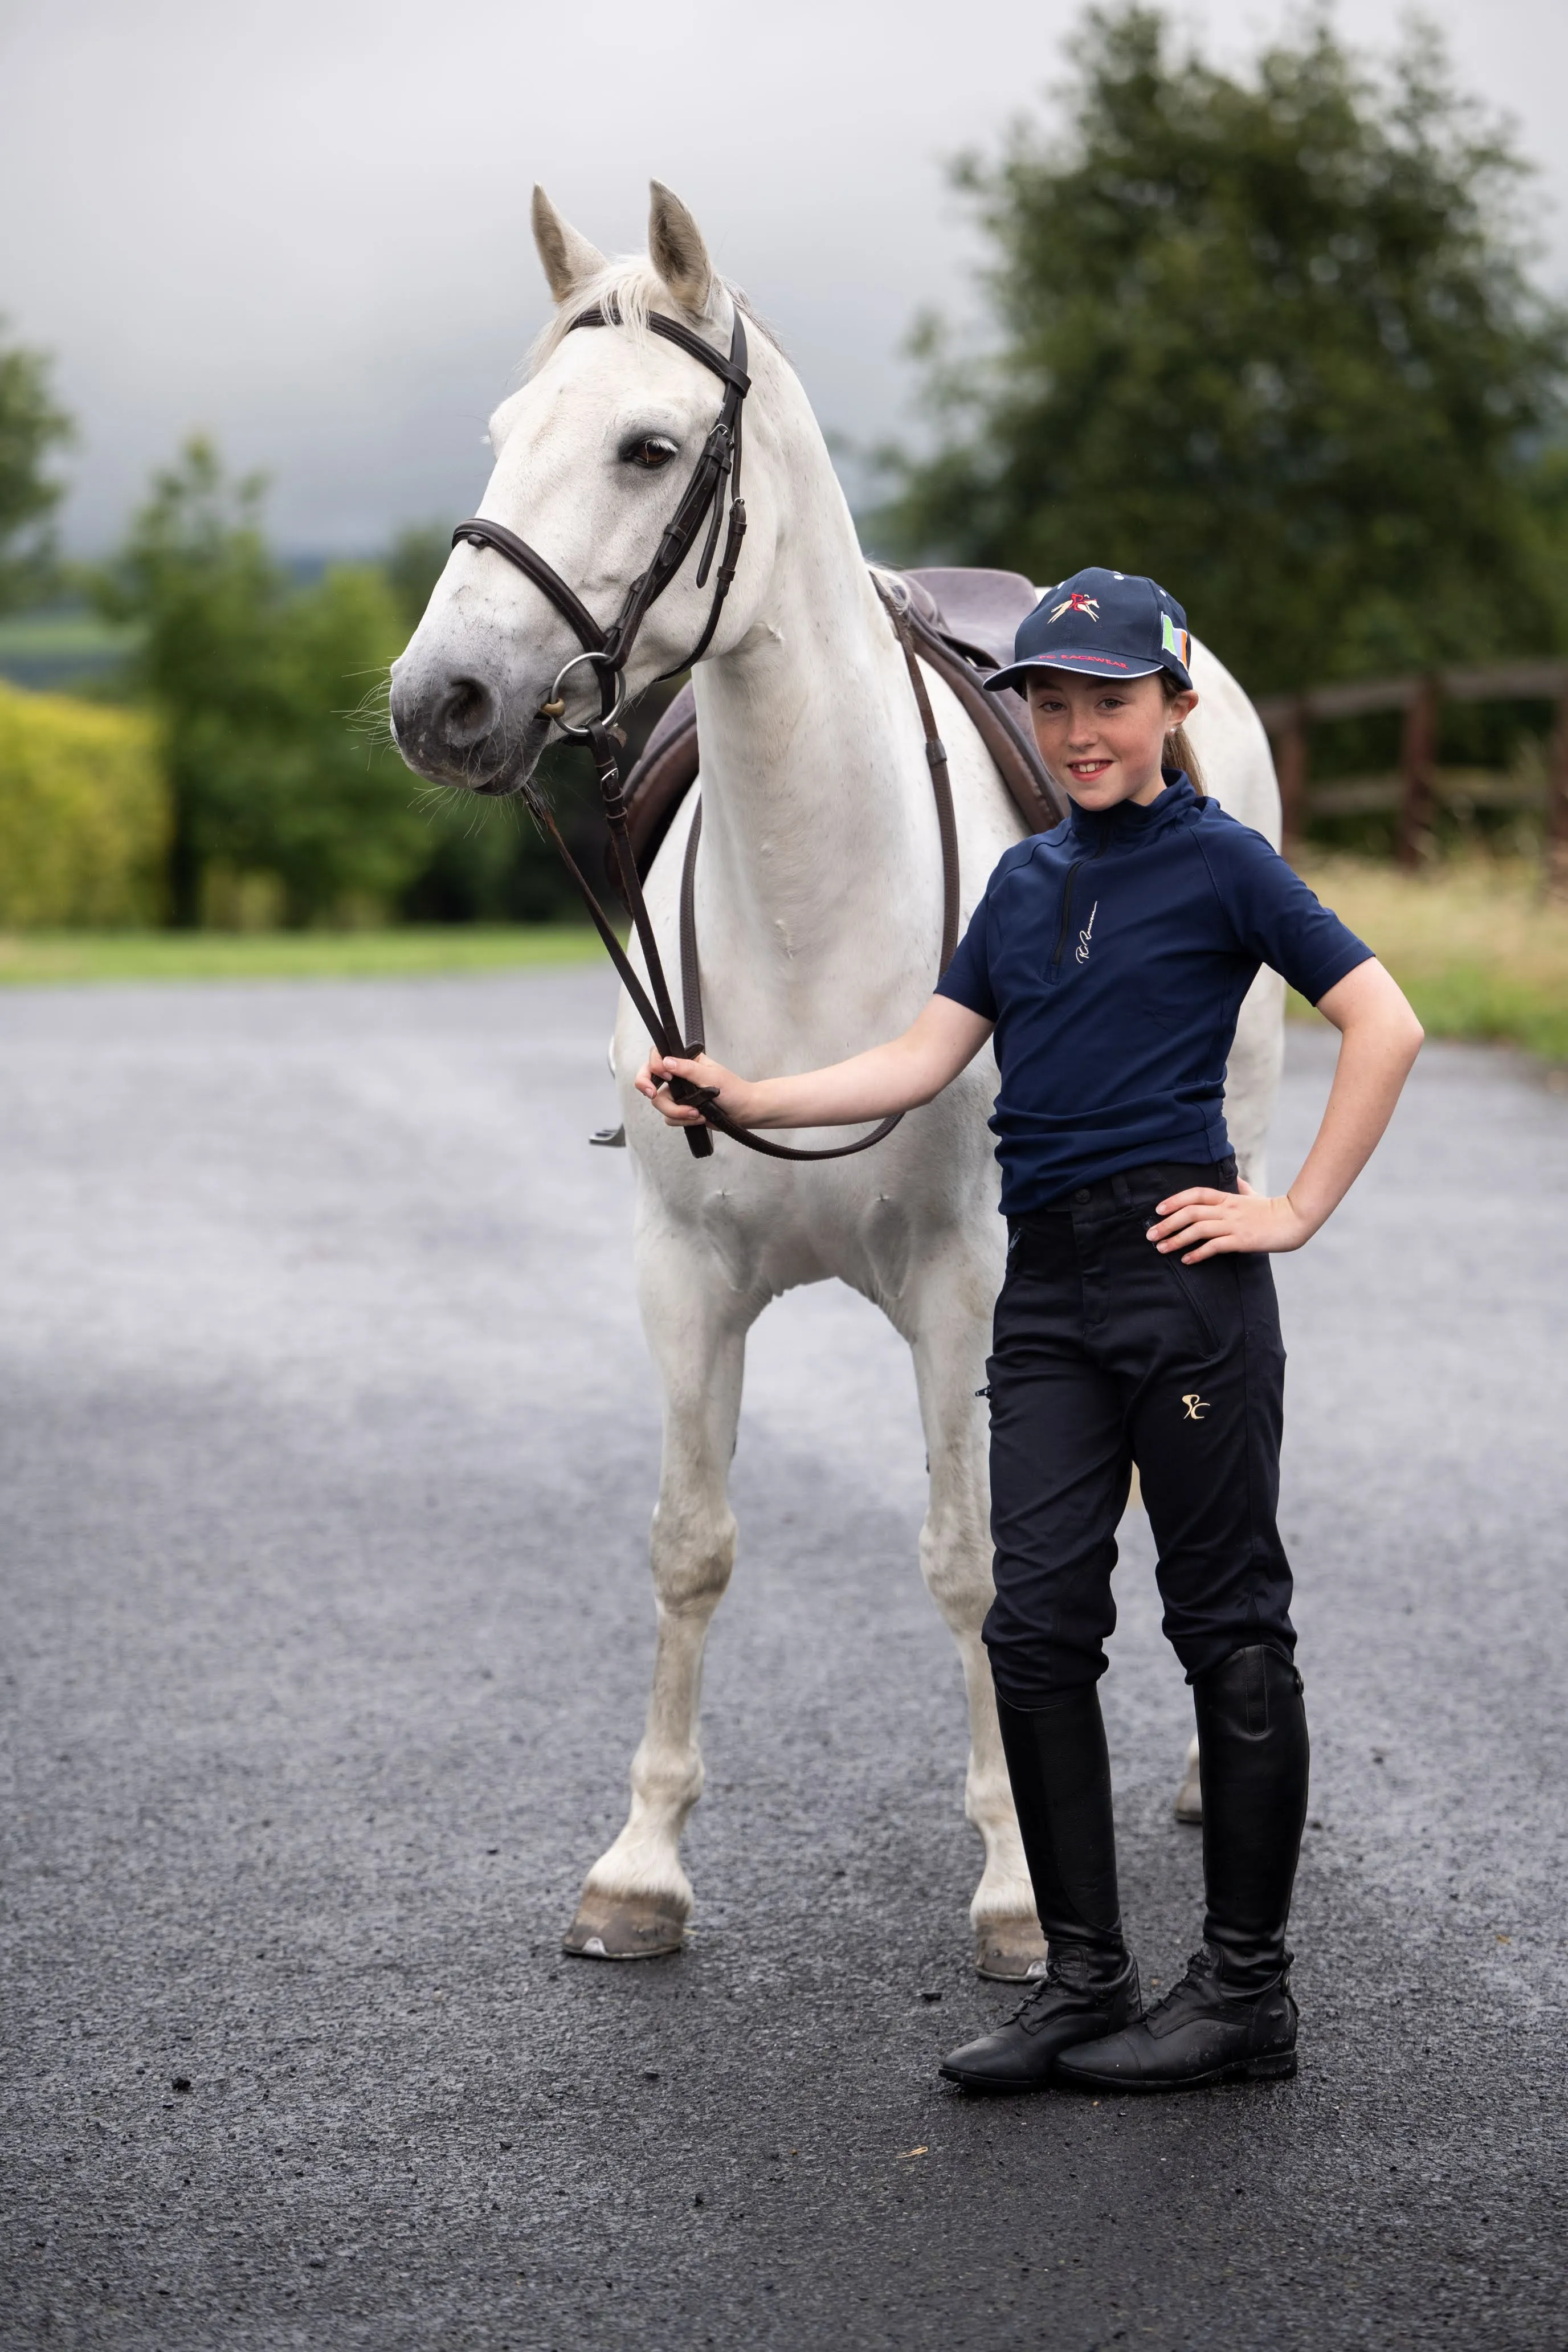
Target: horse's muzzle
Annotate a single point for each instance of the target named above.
(454, 727)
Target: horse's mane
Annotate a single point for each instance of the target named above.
(633, 286)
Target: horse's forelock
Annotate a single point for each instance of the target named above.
(632, 287)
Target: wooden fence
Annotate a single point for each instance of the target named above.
(1418, 786)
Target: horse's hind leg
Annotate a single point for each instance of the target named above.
(1189, 1804)
(636, 1899)
(945, 1313)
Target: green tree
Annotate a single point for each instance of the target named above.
(31, 426)
(1272, 338)
(257, 684)
(414, 562)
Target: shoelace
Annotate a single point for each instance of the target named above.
(1187, 1987)
(1074, 1980)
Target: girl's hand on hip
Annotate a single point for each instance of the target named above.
(1203, 1223)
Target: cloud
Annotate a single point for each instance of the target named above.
(304, 226)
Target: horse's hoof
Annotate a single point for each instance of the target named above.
(1009, 1950)
(624, 1928)
(1189, 1804)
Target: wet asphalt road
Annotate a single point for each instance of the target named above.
(328, 1446)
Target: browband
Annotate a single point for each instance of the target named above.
(673, 332)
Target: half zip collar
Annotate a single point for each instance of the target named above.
(1098, 830)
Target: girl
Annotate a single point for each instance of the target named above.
(1137, 1321)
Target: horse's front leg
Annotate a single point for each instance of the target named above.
(945, 1313)
(636, 1899)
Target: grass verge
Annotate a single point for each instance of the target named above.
(33, 958)
(1474, 944)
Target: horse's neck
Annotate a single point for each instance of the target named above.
(807, 785)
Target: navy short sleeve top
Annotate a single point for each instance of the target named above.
(1113, 954)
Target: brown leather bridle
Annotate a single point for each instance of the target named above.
(608, 652)
(610, 649)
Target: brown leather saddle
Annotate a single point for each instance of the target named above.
(962, 623)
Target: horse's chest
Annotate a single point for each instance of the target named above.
(763, 1242)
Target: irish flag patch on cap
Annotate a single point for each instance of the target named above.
(1174, 640)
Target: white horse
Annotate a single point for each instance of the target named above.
(819, 892)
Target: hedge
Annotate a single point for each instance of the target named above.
(84, 814)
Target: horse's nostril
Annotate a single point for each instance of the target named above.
(467, 712)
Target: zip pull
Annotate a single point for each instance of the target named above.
(1065, 918)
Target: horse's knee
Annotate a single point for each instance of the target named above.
(956, 1566)
(692, 1561)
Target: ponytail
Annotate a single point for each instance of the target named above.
(1178, 752)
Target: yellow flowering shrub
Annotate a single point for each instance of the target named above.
(84, 814)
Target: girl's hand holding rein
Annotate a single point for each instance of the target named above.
(653, 1079)
(906, 1071)
(1380, 1040)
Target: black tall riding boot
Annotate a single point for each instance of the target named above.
(1232, 2013)
(1253, 1760)
(1061, 1774)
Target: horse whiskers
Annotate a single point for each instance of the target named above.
(371, 715)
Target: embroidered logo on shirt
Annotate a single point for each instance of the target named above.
(1076, 602)
(1196, 1406)
(1083, 935)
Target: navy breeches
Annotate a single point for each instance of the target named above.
(1108, 1354)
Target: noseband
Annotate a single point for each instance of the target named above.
(608, 651)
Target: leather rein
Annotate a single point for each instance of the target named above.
(607, 651)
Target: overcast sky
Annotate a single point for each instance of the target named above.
(303, 226)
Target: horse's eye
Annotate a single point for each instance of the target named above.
(652, 452)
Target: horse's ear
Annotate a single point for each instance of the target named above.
(569, 259)
(677, 251)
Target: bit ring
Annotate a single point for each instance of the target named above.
(556, 707)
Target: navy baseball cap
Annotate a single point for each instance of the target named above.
(1102, 624)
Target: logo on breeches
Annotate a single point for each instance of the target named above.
(1196, 1406)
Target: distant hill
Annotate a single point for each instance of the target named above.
(60, 646)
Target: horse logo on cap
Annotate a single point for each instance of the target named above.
(1076, 602)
